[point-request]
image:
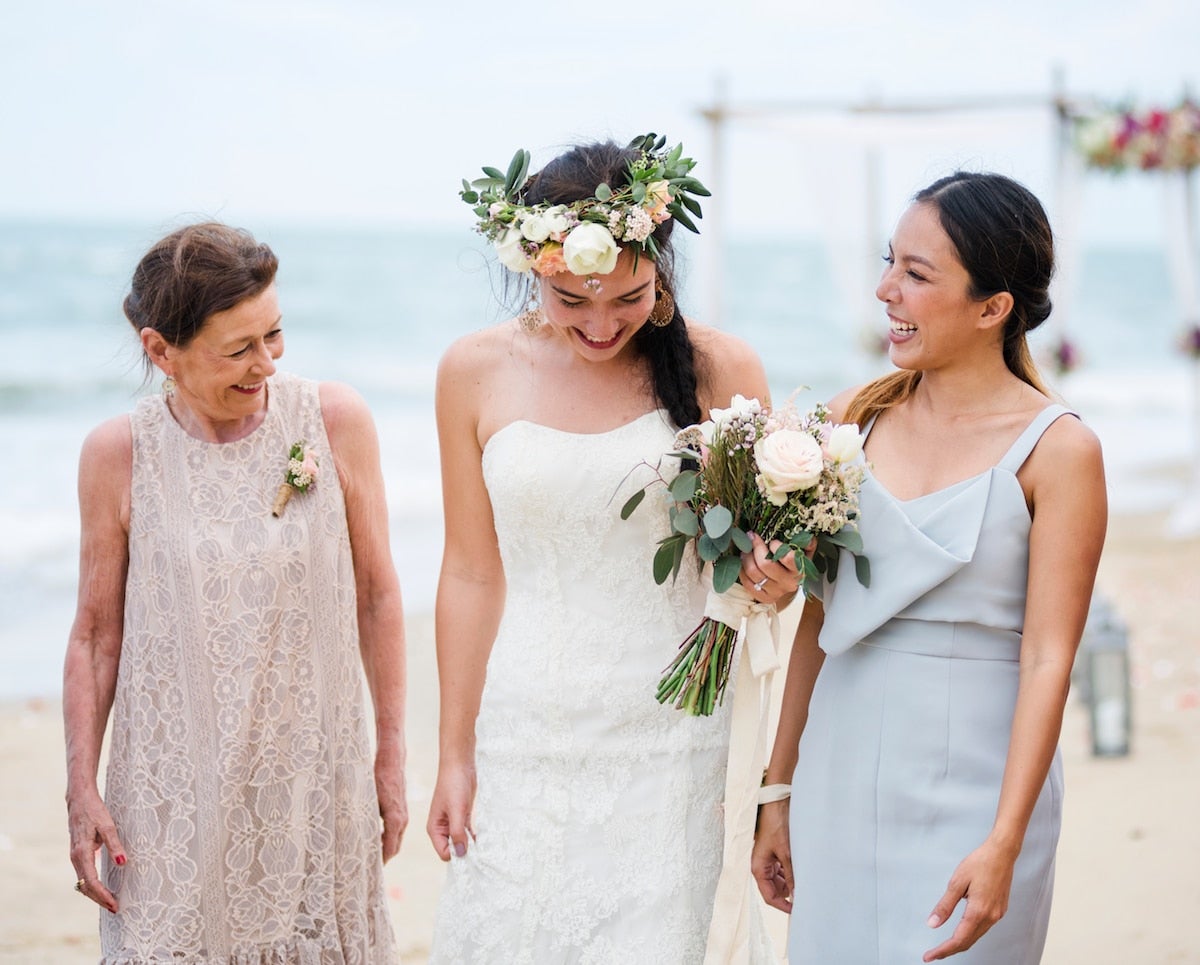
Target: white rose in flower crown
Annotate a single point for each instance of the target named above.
(787, 460)
(590, 250)
(556, 221)
(845, 443)
(739, 405)
(534, 228)
(510, 251)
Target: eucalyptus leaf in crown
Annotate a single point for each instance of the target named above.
(584, 237)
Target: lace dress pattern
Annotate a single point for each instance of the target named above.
(240, 768)
(598, 816)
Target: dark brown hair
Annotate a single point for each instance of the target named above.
(192, 274)
(1003, 239)
(668, 350)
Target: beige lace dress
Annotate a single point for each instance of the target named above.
(240, 767)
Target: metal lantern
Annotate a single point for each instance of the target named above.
(1103, 668)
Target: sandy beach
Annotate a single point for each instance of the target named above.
(1128, 889)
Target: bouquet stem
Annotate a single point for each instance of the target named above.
(695, 680)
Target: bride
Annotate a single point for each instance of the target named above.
(582, 820)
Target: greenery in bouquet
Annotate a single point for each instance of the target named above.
(781, 474)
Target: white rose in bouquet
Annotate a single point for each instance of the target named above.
(787, 460)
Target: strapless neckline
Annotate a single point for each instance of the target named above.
(571, 433)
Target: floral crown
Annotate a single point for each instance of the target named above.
(581, 237)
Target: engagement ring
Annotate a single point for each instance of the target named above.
(79, 885)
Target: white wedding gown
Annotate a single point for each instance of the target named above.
(598, 816)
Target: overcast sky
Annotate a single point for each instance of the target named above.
(371, 111)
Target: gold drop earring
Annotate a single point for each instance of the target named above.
(663, 311)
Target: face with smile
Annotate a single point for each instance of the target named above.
(220, 375)
(599, 315)
(927, 292)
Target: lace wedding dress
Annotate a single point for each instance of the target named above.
(240, 769)
(598, 816)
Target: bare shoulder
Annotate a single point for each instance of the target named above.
(342, 408)
(840, 403)
(108, 449)
(728, 366)
(721, 346)
(1068, 446)
(106, 477)
(472, 356)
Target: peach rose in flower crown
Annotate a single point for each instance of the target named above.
(658, 196)
(787, 460)
(550, 259)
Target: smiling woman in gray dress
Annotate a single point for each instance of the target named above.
(921, 717)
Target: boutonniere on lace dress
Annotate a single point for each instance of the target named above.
(301, 473)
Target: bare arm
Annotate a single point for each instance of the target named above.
(1064, 480)
(771, 861)
(355, 446)
(94, 645)
(470, 597)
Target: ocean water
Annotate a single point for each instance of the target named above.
(377, 308)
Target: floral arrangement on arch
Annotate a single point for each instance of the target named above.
(583, 237)
(1155, 139)
(1065, 356)
(1189, 342)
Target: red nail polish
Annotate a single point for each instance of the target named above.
(119, 859)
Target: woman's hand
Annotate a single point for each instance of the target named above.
(771, 859)
(449, 825)
(984, 879)
(92, 827)
(767, 580)
(393, 805)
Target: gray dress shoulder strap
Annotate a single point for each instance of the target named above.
(1019, 451)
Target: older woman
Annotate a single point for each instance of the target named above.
(222, 622)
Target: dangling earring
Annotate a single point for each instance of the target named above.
(530, 320)
(168, 386)
(663, 311)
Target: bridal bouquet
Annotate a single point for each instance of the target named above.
(784, 475)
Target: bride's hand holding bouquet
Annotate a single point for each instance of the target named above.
(790, 479)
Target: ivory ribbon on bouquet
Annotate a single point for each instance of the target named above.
(757, 644)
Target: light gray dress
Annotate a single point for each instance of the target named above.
(901, 760)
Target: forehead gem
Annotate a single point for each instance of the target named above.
(593, 285)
